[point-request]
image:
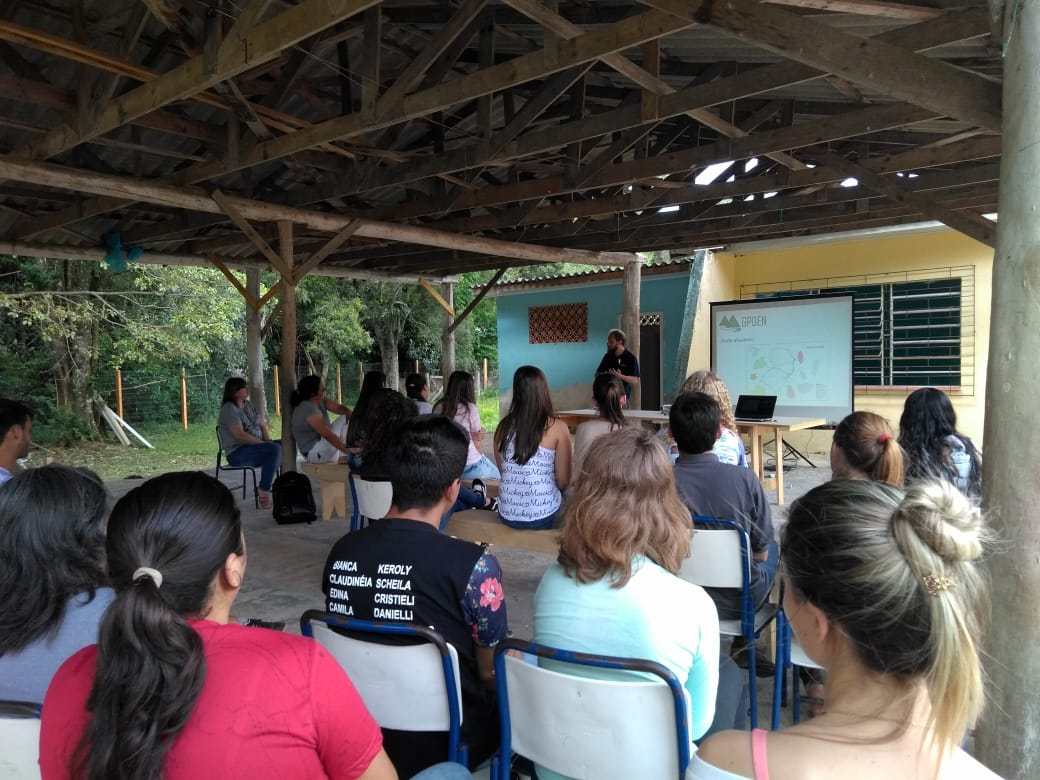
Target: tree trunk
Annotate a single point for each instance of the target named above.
(388, 337)
(1007, 736)
(254, 347)
(75, 345)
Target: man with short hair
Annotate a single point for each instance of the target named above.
(722, 490)
(620, 362)
(15, 436)
(401, 568)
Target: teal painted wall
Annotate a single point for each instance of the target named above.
(574, 363)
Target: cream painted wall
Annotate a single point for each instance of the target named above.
(811, 265)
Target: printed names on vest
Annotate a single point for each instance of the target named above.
(392, 598)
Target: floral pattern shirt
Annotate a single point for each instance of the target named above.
(484, 602)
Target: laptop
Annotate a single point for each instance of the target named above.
(755, 408)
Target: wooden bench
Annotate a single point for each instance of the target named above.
(479, 525)
(332, 481)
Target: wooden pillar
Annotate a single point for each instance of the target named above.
(288, 361)
(1007, 739)
(254, 346)
(447, 336)
(630, 317)
(693, 294)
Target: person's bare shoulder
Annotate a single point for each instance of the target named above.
(729, 750)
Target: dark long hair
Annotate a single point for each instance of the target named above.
(529, 414)
(389, 410)
(52, 527)
(357, 427)
(459, 392)
(414, 385)
(928, 418)
(306, 389)
(150, 664)
(232, 386)
(608, 391)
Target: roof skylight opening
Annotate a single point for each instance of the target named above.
(751, 164)
(731, 179)
(912, 175)
(850, 182)
(749, 198)
(724, 201)
(711, 173)
(767, 195)
(667, 209)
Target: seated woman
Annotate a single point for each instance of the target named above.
(933, 446)
(885, 592)
(614, 590)
(53, 587)
(533, 450)
(608, 395)
(729, 447)
(418, 390)
(864, 447)
(459, 403)
(244, 437)
(174, 689)
(318, 439)
(361, 419)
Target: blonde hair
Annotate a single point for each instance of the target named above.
(869, 446)
(624, 504)
(898, 574)
(710, 383)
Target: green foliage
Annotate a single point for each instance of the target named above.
(55, 425)
(329, 316)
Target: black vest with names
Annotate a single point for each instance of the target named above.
(407, 571)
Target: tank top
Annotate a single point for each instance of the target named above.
(528, 492)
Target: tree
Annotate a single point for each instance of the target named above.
(388, 307)
(329, 322)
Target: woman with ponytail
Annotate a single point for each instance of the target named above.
(173, 688)
(864, 447)
(884, 590)
(608, 394)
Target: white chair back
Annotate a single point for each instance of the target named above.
(403, 686)
(373, 498)
(588, 728)
(19, 748)
(715, 560)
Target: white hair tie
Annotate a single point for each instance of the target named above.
(146, 571)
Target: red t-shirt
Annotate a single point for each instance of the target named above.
(273, 705)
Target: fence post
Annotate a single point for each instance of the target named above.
(485, 373)
(277, 394)
(360, 373)
(339, 384)
(119, 393)
(184, 398)
(417, 366)
(477, 383)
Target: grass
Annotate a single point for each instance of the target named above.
(177, 449)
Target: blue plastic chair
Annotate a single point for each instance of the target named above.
(19, 740)
(243, 469)
(720, 557)
(611, 729)
(789, 656)
(410, 687)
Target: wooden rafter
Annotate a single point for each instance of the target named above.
(477, 299)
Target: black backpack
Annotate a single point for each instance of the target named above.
(293, 499)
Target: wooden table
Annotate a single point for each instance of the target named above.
(775, 427)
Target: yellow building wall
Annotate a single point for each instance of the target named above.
(916, 255)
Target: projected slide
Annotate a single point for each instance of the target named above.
(798, 349)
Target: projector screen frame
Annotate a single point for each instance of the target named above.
(782, 409)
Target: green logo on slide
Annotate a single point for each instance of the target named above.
(729, 323)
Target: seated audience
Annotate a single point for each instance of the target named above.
(15, 436)
(932, 445)
(173, 688)
(361, 419)
(885, 592)
(709, 487)
(419, 391)
(608, 395)
(864, 447)
(459, 403)
(533, 450)
(53, 587)
(729, 447)
(244, 437)
(318, 439)
(452, 585)
(614, 589)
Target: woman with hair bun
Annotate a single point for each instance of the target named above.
(418, 389)
(173, 688)
(864, 447)
(884, 590)
(933, 445)
(729, 447)
(608, 394)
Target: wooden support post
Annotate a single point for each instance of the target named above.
(119, 393)
(693, 294)
(277, 395)
(254, 347)
(288, 362)
(1006, 739)
(448, 335)
(184, 399)
(630, 318)
(339, 384)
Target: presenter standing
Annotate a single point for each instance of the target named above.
(620, 362)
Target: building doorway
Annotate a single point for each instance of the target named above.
(651, 343)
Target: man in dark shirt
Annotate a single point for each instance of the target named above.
(401, 568)
(724, 491)
(620, 362)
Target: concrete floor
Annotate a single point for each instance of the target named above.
(283, 578)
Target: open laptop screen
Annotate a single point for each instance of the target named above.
(755, 407)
